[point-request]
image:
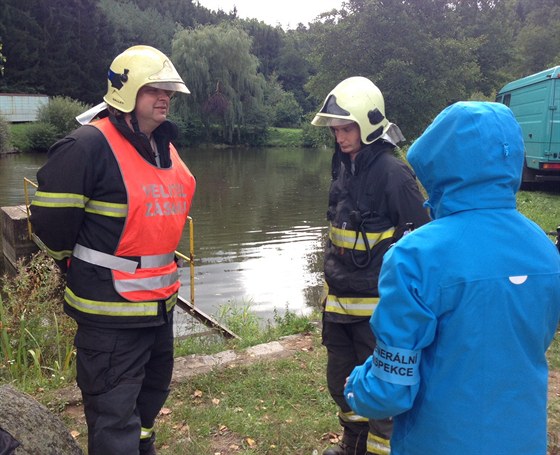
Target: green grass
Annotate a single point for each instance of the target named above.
(275, 407)
(540, 206)
(284, 137)
(238, 318)
(280, 407)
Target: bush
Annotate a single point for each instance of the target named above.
(36, 338)
(61, 112)
(5, 137)
(190, 132)
(314, 136)
(40, 136)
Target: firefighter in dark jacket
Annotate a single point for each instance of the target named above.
(373, 201)
(112, 201)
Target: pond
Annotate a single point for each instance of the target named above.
(259, 224)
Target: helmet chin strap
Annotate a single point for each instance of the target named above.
(134, 123)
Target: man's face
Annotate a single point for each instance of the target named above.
(348, 138)
(152, 107)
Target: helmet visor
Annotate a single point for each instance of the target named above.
(331, 114)
(170, 86)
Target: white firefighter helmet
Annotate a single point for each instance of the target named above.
(358, 100)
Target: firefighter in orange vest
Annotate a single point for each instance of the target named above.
(112, 201)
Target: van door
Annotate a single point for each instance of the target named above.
(530, 106)
(554, 146)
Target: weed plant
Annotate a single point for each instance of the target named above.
(5, 136)
(35, 336)
(251, 330)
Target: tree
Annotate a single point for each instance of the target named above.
(295, 66)
(136, 26)
(2, 60)
(536, 40)
(56, 47)
(266, 43)
(216, 63)
(413, 50)
(282, 107)
(21, 34)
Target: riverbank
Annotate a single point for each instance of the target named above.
(276, 137)
(268, 399)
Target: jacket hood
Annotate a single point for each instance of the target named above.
(470, 157)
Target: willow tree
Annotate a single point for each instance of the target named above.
(216, 63)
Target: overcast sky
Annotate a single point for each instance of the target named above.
(287, 13)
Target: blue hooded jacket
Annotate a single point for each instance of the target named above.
(469, 302)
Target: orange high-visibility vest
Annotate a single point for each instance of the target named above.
(159, 201)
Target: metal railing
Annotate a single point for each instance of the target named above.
(186, 305)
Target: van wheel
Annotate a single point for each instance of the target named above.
(528, 178)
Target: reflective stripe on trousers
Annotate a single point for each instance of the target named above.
(351, 416)
(378, 445)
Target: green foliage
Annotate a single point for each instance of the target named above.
(290, 323)
(284, 137)
(190, 131)
(18, 135)
(56, 48)
(314, 136)
(5, 137)
(36, 338)
(2, 60)
(60, 112)
(537, 24)
(39, 137)
(248, 327)
(241, 321)
(422, 54)
(266, 44)
(216, 64)
(296, 64)
(136, 26)
(282, 107)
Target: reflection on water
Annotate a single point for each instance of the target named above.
(259, 224)
(13, 168)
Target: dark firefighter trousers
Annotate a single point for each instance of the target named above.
(124, 376)
(349, 345)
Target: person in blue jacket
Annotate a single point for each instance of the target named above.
(469, 302)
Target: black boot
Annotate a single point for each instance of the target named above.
(148, 446)
(339, 449)
(346, 449)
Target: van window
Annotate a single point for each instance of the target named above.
(507, 99)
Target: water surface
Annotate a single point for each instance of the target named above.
(259, 224)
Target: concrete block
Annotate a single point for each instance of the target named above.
(15, 236)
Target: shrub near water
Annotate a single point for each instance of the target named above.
(61, 112)
(54, 121)
(35, 336)
(5, 136)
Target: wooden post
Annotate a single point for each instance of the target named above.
(16, 243)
